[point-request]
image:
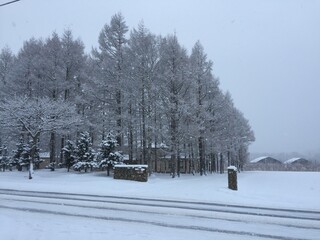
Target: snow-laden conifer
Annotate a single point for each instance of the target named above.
(85, 153)
(108, 156)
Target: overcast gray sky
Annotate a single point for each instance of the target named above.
(266, 53)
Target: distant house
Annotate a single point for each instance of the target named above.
(264, 163)
(265, 160)
(301, 161)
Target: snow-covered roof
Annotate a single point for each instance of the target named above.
(292, 160)
(265, 160)
(258, 159)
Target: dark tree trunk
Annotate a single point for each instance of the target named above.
(178, 163)
(52, 146)
(61, 151)
(173, 165)
(201, 155)
(119, 118)
(130, 137)
(32, 153)
(221, 163)
(52, 150)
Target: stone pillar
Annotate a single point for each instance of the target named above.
(232, 178)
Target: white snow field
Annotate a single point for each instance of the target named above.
(267, 205)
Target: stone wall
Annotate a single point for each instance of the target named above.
(131, 172)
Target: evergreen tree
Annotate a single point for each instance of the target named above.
(108, 156)
(69, 151)
(143, 57)
(85, 153)
(21, 155)
(6, 64)
(200, 75)
(146, 88)
(26, 77)
(110, 58)
(174, 87)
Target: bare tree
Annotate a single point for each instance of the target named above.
(37, 116)
(201, 75)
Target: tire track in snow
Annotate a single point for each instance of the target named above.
(160, 224)
(224, 208)
(158, 213)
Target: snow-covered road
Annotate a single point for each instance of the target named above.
(157, 217)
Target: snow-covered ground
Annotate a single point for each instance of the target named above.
(290, 190)
(272, 189)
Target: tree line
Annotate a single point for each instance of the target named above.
(145, 88)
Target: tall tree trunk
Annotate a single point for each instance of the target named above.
(30, 169)
(130, 143)
(119, 118)
(130, 130)
(148, 155)
(155, 138)
(221, 163)
(156, 155)
(173, 132)
(33, 147)
(178, 162)
(144, 133)
(61, 150)
(173, 165)
(201, 155)
(52, 149)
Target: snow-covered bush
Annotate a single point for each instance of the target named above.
(79, 166)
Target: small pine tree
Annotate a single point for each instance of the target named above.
(37, 159)
(69, 154)
(107, 154)
(21, 156)
(85, 153)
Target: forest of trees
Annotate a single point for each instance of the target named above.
(146, 89)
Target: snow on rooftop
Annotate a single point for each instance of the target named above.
(292, 160)
(258, 159)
